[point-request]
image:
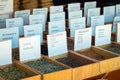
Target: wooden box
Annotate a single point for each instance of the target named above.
(34, 75)
(65, 74)
(87, 68)
(108, 61)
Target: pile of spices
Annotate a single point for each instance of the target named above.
(13, 73)
(43, 66)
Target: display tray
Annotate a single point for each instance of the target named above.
(49, 69)
(111, 60)
(17, 72)
(82, 66)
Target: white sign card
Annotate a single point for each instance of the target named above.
(92, 12)
(57, 16)
(6, 7)
(41, 11)
(118, 10)
(75, 24)
(89, 5)
(10, 34)
(118, 33)
(5, 52)
(3, 21)
(96, 21)
(57, 44)
(54, 9)
(103, 35)
(74, 7)
(75, 14)
(109, 13)
(15, 22)
(83, 38)
(24, 14)
(116, 20)
(31, 30)
(56, 26)
(38, 19)
(29, 48)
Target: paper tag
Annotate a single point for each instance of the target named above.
(5, 52)
(56, 26)
(75, 24)
(29, 48)
(6, 7)
(116, 20)
(118, 33)
(41, 11)
(10, 34)
(24, 14)
(31, 30)
(3, 21)
(103, 35)
(92, 12)
(109, 13)
(38, 19)
(57, 44)
(73, 7)
(83, 38)
(57, 16)
(54, 9)
(75, 14)
(15, 22)
(89, 5)
(118, 10)
(96, 21)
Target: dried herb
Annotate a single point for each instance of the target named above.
(92, 54)
(68, 61)
(12, 73)
(44, 66)
(114, 49)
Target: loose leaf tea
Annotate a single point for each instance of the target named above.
(44, 66)
(92, 54)
(114, 49)
(68, 61)
(13, 73)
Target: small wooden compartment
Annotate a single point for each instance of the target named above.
(25, 74)
(82, 67)
(112, 48)
(108, 61)
(63, 73)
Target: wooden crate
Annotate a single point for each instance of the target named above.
(35, 76)
(87, 69)
(114, 44)
(109, 62)
(65, 74)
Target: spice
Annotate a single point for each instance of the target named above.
(12, 73)
(43, 66)
(68, 61)
(92, 54)
(114, 49)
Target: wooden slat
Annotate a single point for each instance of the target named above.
(33, 78)
(61, 75)
(86, 71)
(110, 65)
